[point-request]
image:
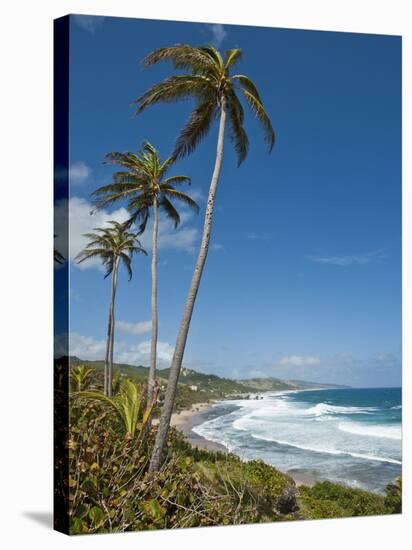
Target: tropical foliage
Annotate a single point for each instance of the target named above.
(81, 376)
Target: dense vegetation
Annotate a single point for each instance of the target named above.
(112, 490)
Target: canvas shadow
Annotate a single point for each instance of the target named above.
(42, 518)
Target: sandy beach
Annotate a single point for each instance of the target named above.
(186, 419)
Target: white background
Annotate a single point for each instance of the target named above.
(26, 270)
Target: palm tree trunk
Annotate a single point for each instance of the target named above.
(153, 350)
(106, 360)
(110, 365)
(164, 422)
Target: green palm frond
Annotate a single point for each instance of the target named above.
(214, 54)
(174, 89)
(126, 405)
(248, 85)
(232, 57)
(238, 134)
(262, 116)
(196, 128)
(170, 210)
(182, 57)
(177, 180)
(179, 196)
(139, 184)
(209, 82)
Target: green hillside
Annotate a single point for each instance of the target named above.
(195, 387)
(268, 384)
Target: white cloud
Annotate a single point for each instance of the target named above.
(142, 327)
(91, 349)
(83, 347)
(354, 259)
(218, 33)
(299, 360)
(183, 238)
(140, 354)
(82, 221)
(89, 23)
(79, 173)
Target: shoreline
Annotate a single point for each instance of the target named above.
(187, 419)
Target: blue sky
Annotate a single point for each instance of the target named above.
(304, 276)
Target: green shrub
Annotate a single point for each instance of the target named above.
(393, 499)
(330, 500)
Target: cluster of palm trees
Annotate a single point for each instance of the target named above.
(144, 184)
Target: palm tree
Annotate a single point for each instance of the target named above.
(113, 244)
(144, 185)
(208, 80)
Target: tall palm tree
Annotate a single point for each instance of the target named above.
(113, 245)
(208, 79)
(144, 185)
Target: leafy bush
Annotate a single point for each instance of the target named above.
(393, 499)
(111, 489)
(331, 500)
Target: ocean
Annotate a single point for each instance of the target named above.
(352, 436)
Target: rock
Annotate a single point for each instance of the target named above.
(287, 502)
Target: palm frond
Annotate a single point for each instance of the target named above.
(262, 116)
(182, 197)
(128, 159)
(176, 180)
(214, 54)
(139, 214)
(232, 57)
(182, 56)
(117, 188)
(170, 210)
(127, 263)
(248, 84)
(174, 88)
(196, 128)
(166, 165)
(238, 134)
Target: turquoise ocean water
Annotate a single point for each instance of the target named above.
(346, 435)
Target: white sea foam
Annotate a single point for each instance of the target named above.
(324, 408)
(372, 430)
(338, 441)
(328, 451)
